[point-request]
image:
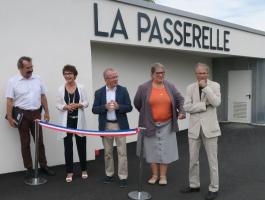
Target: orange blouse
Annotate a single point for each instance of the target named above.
(160, 104)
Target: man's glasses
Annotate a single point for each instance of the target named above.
(113, 77)
(203, 73)
(160, 73)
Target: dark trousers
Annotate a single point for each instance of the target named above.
(28, 127)
(68, 148)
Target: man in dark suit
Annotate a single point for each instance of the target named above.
(111, 103)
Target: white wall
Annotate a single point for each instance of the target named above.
(53, 33)
(133, 65)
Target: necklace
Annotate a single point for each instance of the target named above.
(71, 88)
(69, 98)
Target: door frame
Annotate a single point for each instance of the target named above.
(239, 105)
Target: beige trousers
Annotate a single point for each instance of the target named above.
(211, 149)
(122, 153)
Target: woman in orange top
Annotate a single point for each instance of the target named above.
(160, 106)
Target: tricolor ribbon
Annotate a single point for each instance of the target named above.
(89, 132)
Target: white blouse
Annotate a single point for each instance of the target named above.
(60, 103)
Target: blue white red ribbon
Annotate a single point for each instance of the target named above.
(88, 132)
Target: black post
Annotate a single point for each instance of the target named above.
(36, 180)
(140, 195)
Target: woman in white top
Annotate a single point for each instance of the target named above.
(71, 102)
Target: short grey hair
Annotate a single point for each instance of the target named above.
(156, 66)
(108, 70)
(202, 65)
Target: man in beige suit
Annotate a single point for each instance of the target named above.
(201, 101)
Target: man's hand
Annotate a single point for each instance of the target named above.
(116, 105)
(12, 122)
(202, 83)
(112, 105)
(9, 108)
(109, 106)
(46, 117)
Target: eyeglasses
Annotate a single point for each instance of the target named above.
(203, 73)
(160, 73)
(113, 77)
(68, 73)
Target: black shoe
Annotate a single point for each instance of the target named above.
(211, 195)
(123, 183)
(190, 190)
(29, 173)
(108, 179)
(47, 171)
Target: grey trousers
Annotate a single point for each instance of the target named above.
(211, 148)
(122, 153)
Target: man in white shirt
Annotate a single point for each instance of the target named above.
(26, 93)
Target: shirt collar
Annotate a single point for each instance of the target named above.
(108, 89)
(20, 77)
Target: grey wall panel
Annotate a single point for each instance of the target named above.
(221, 67)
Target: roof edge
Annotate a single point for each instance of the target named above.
(169, 10)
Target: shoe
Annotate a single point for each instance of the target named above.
(47, 171)
(211, 195)
(108, 179)
(163, 180)
(190, 190)
(29, 173)
(69, 177)
(123, 183)
(84, 175)
(153, 179)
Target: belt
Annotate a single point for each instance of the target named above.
(112, 121)
(33, 110)
(73, 117)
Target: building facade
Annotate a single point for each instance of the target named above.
(128, 35)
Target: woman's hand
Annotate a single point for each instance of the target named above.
(181, 116)
(72, 106)
(69, 107)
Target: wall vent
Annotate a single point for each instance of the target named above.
(240, 110)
